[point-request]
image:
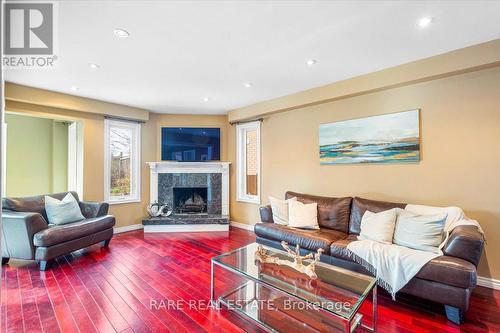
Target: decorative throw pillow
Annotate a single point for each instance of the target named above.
(280, 210)
(302, 215)
(419, 232)
(63, 211)
(378, 227)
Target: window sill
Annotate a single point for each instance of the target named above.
(251, 201)
(125, 201)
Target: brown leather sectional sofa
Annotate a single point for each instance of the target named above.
(448, 279)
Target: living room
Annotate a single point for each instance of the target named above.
(175, 167)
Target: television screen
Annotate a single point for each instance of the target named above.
(190, 144)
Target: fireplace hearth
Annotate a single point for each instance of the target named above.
(190, 200)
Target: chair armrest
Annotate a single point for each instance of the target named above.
(18, 229)
(465, 242)
(266, 214)
(94, 209)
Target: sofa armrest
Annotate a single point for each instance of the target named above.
(465, 242)
(266, 214)
(94, 209)
(18, 229)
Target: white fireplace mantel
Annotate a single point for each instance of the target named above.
(190, 167)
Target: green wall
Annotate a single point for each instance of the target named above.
(37, 154)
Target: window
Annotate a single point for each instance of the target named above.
(122, 161)
(248, 162)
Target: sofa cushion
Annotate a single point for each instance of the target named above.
(302, 215)
(449, 270)
(378, 227)
(56, 234)
(338, 249)
(63, 211)
(306, 239)
(279, 209)
(333, 213)
(444, 269)
(420, 232)
(360, 205)
(35, 204)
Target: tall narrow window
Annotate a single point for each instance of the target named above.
(248, 162)
(122, 161)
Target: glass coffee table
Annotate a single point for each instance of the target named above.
(280, 299)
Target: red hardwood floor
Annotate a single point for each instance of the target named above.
(110, 290)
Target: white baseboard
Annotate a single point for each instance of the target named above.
(119, 230)
(186, 228)
(242, 226)
(488, 282)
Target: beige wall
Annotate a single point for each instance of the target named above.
(460, 133)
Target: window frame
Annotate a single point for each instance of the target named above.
(135, 152)
(241, 153)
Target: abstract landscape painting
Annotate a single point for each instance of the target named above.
(388, 138)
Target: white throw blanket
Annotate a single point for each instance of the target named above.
(394, 265)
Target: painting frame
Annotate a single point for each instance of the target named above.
(392, 138)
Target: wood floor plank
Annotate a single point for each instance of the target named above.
(110, 290)
(112, 314)
(94, 312)
(79, 312)
(45, 307)
(15, 315)
(61, 309)
(32, 323)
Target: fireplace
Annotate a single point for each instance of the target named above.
(190, 200)
(197, 193)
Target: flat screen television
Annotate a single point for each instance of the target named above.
(190, 144)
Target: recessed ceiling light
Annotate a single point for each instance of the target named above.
(74, 88)
(93, 66)
(121, 33)
(206, 99)
(311, 62)
(424, 22)
(248, 84)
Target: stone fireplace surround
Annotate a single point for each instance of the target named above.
(167, 175)
(169, 182)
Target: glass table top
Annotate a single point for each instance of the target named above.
(336, 290)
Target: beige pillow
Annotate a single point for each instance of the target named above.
(378, 227)
(302, 215)
(419, 232)
(280, 210)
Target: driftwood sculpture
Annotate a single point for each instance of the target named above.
(262, 256)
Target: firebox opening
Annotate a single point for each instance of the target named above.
(190, 200)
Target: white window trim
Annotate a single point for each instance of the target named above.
(136, 163)
(241, 180)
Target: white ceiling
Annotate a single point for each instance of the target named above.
(178, 53)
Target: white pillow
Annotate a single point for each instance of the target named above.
(378, 227)
(63, 211)
(419, 232)
(280, 210)
(303, 215)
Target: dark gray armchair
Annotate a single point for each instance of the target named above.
(27, 235)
